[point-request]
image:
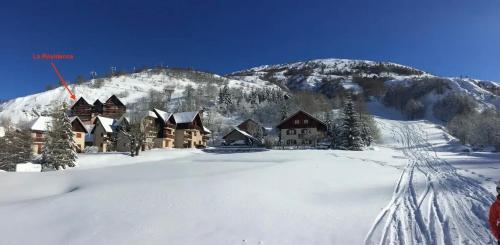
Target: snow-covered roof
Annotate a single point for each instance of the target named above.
(243, 132)
(89, 127)
(152, 114)
(185, 117)
(107, 123)
(206, 130)
(123, 117)
(2, 131)
(42, 123)
(163, 114)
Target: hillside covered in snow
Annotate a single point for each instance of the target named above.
(130, 88)
(329, 76)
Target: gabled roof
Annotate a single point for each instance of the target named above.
(75, 118)
(163, 115)
(81, 99)
(206, 130)
(152, 114)
(122, 119)
(89, 127)
(107, 123)
(248, 120)
(244, 133)
(97, 101)
(116, 99)
(185, 117)
(42, 123)
(301, 111)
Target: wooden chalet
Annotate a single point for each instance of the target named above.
(113, 108)
(103, 133)
(240, 137)
(97, 108)
(166, 129)
(82, 109)
(189, 130)
(39, 129)
(253, 128)
(301, 129)
(79, 132)
(42, 124)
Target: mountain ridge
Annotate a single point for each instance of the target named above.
(319, 75)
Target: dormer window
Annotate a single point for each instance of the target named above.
(296, 122)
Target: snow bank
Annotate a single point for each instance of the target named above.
(192, 197)
(28, 167)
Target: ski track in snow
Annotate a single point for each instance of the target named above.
(448, 209)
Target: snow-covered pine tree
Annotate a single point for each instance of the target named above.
(369, 130)
(59, 151)
(334, 129)
(15, 146)
(47, 154)
(20, 149)
(366, 134)
(4, 154)
(351, 128)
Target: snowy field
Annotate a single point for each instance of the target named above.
(399, 192)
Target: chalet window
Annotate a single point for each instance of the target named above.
(296, 122)
(306, 121)
(304, 131)
(194, 133)
(78, 135)
(39, 135)
(294, 132)
(102, 134)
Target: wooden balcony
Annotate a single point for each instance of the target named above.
(39, 140)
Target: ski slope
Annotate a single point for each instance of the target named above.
(448, 208)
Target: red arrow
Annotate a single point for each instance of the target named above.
(63, 82)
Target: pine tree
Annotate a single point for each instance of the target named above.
(369, 130)
(47, 154)
(351, 128)
(59, 151)
(21, 146)
(15, 147)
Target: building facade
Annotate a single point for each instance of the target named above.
(301, 129)
(42, 124)
(189, 130)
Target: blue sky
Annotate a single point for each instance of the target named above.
(444, 37)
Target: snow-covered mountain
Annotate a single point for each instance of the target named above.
(324, 75)
(130, 88)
